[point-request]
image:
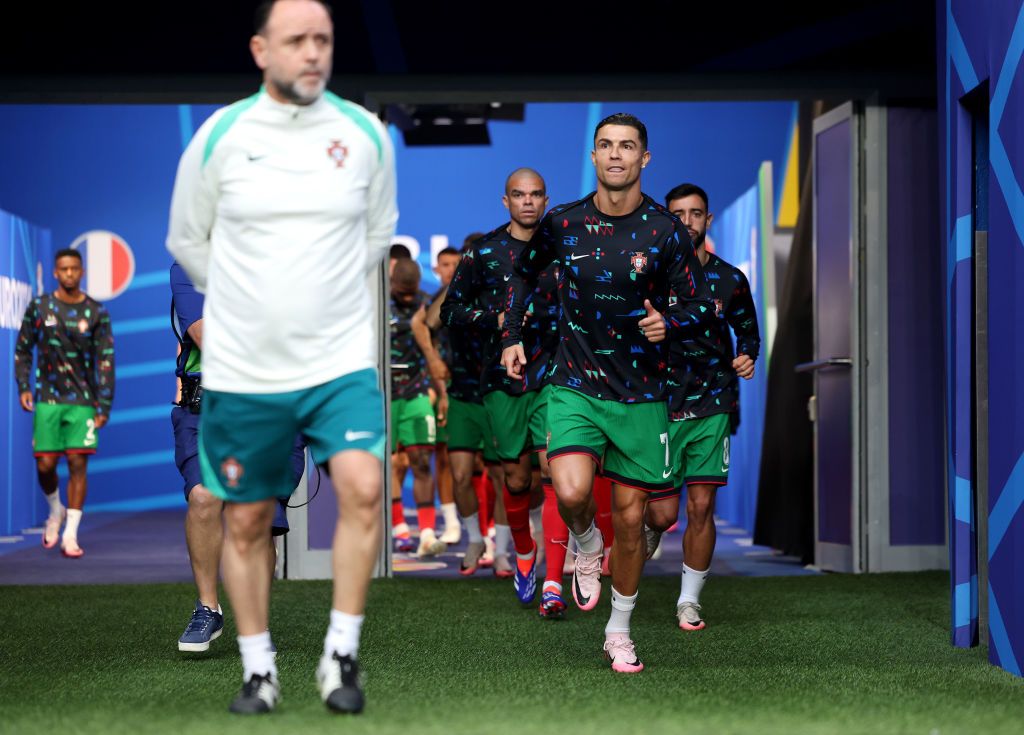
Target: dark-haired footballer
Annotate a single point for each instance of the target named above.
(74, 388)
(703, 394)
(620, 253)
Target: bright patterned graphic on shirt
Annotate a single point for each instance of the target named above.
(75, 362)
(409, 377)
(609, 266)
(702, 381)
(477, 294)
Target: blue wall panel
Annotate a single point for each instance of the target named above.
(25, 271)
(983, 44)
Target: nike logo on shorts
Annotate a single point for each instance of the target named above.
(351, 436)
(667, 474)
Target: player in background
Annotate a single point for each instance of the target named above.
(204, 532)
(74, 389)
(413, 424)
(517, 409)
(620, 253)
(703, 394)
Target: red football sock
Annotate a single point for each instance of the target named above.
(517, 510)
(480, 483)
(397, 512)
(556, 535)
(603, 498)
(426, 516)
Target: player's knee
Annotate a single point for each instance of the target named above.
(46, 464)
(77, 464)
(203, 505)
(365, 494)
(572, 495)
(629, 519)
(249, 522)
(661, 515)
(699, 508)
(420, 464)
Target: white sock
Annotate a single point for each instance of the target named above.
(691, 585)
(451, 517)
(55, 506)
(622, 609)
(71, 526)
(257, 655)
(537, 520)
(550, 586)
(343, 634)
(589, 542)
(502, 538)
(473, 527)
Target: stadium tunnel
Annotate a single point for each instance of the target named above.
(888, 239)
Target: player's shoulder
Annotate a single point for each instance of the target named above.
(220, 123)
(354, 113)
(95, 305)
(497, 235)
(569, 207)
(725, 269)
(654, 209)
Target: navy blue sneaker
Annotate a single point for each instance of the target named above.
(206, 625)
(526, 583)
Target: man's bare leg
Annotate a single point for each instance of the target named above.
(572, 476)
(46, 471)
(423, 493)
(77, 483)
(698, 549)
(247, 580)
(462, 465)
(204, 536)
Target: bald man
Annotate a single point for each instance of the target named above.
(516, 409)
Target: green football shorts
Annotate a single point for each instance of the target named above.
(632, 438)
(246, 439)
(519, 423)
(469, 430)
(62, 427)
(412, 423)
(699, 451)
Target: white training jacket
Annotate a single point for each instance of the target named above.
(279, 213)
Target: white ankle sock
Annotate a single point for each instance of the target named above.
(71, 527)
(451, 517)
(343, 634)
(691, 584)
(588, 542)
(473, 527)
(258, 656)
(622, 610)
(502, 538)
(54, 501)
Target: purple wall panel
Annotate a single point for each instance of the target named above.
(833, 307)
(322, 511)
(916, 475)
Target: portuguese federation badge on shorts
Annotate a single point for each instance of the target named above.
(231, 470)
(338, 153)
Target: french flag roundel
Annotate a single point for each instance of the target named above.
(109, 263)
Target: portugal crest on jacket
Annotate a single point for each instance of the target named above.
(639, 262)
(338, 153)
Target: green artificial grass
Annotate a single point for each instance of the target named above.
(823, 654)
